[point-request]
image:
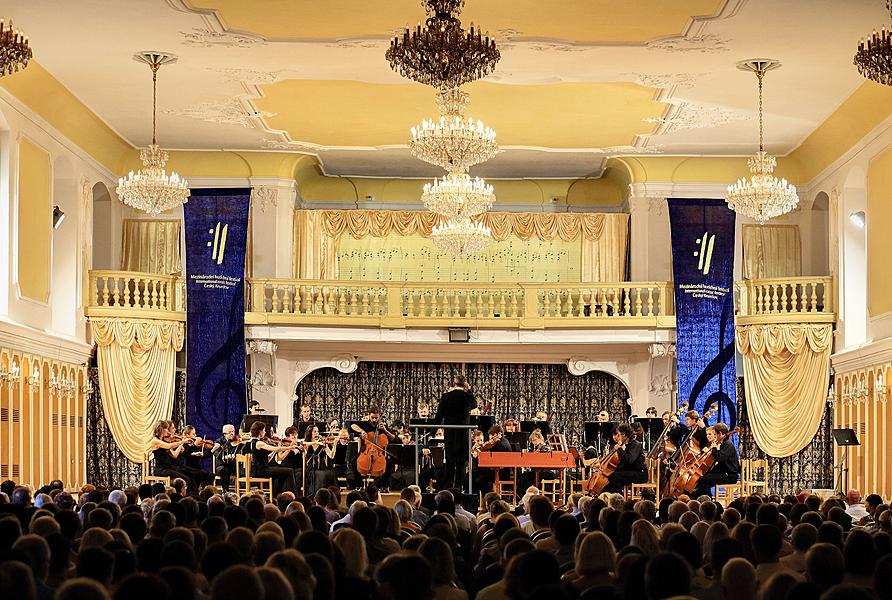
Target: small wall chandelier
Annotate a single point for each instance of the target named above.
(151, 189)
(762, 196)
(874, 56)
(442, 54)
(15, 49)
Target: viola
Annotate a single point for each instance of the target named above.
(372, 461)
(600, 476)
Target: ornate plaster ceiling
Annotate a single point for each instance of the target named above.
(578, 81)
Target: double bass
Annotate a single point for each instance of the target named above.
(599, 478)
(372, 461)
(690, 474)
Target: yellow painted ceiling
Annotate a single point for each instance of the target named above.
(563, 115)
(582, 20)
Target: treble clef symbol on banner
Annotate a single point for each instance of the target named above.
(714, 369)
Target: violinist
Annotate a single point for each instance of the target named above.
(373, 423)
(224, 450)
(166, 448)
(319, 453)
(455, 409)
(304, 420)
(291, 456)
(496, 443)
(631, 468)
(193, 455)
(727, 463)
(344, 454)
(260, 448)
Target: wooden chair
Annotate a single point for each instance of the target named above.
(727, 492)
(244, 481)
(148, 477)
(506, 491)
(754, 475)
(553, 490)
(653, 482)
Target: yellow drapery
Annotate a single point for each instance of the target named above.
(137, 361)
(605, 236)
(771, 251)
(786, 372)
(151, 246)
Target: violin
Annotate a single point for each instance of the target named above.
(176, 437)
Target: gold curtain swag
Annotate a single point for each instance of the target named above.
(137, 364)
(786, 372)
(605, 236)
(151, 246)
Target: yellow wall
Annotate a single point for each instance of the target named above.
(35, 215)
(879, 242)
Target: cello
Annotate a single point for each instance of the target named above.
(686, 455)
(599, 478)
(372, 461)
(691, 473)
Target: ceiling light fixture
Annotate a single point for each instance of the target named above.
(858, 219)
(458, 196)
(151, 189)
(442, 54)
(461, 237)
(874, 56)
(15, 49)
(762, 196)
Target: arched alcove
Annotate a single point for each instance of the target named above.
(64, 287)
(820, 234)
(853, 296)
(102, 228)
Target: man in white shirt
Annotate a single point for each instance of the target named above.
(855, 509)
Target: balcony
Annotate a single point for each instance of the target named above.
(136, 295)
(785, 300)
(398, 305)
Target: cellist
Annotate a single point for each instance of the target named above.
(373, 423)
(727, 463)
(631, 467)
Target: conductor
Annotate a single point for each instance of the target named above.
(454, 409)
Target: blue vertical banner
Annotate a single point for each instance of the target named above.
(216, 222)
(703, 268)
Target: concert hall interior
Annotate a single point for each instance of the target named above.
(445, 299)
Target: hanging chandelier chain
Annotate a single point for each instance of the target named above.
(760, 75)
(155, 66)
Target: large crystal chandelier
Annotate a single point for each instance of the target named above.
(874, 57)
(15, 50)
(762, 196)
(453, 142)
(442, 54)
(151, 189)
(461, 237)
(458, 196)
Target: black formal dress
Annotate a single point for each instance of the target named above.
(192, 464)
(632, 467)
(167, 466)
(224, 461)
(454, 409)
(283, 477)
(725, 470)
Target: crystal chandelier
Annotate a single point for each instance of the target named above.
(874, 57)
(453, 142)
(151, 189)
(442, 54)
(457, 196)
(762, 196)
(15, 51)
(461, 237)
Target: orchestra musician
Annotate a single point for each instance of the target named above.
(319, 453)
(374, 423)
(496, 443)
(632, 467)
(194, 452)
(511, 425)
(603, 417)
(344, 454)
(683, 432)
(224, 450)
(291, 457)
(166, 447)
(304, 420)
(651, 412)
(260, 449)
(455, 409)
(727, 463)
(536, 443)
(429, 471)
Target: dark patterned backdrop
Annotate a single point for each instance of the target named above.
(517, 390)
(106, 464)
(811, 467)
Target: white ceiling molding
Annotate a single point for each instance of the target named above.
(862, 357)
(40, 343)
(226, 112)
(692, 115)
(678, 190)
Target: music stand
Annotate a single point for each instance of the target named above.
(542, 426)
(518, 439)
(271, 422)
(653, 427)
(597, 433)
(302, 427)
(843, 437)
(483, 422)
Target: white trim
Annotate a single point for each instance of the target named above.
(678, 190)
(43, 343)
(498, 206)
(862, 357)
(880, 326)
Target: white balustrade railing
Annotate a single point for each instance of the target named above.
(137, 291)
(789, 296)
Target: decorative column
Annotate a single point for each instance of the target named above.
(272, 227)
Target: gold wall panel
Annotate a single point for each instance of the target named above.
(34, 221)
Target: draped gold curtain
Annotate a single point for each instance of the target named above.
(137, 368)
(605, 236)
(786, 373)
(771, 251)
(151, 246)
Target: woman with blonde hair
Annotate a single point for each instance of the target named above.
(595, 563)
(352, 546)
(646, 537)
